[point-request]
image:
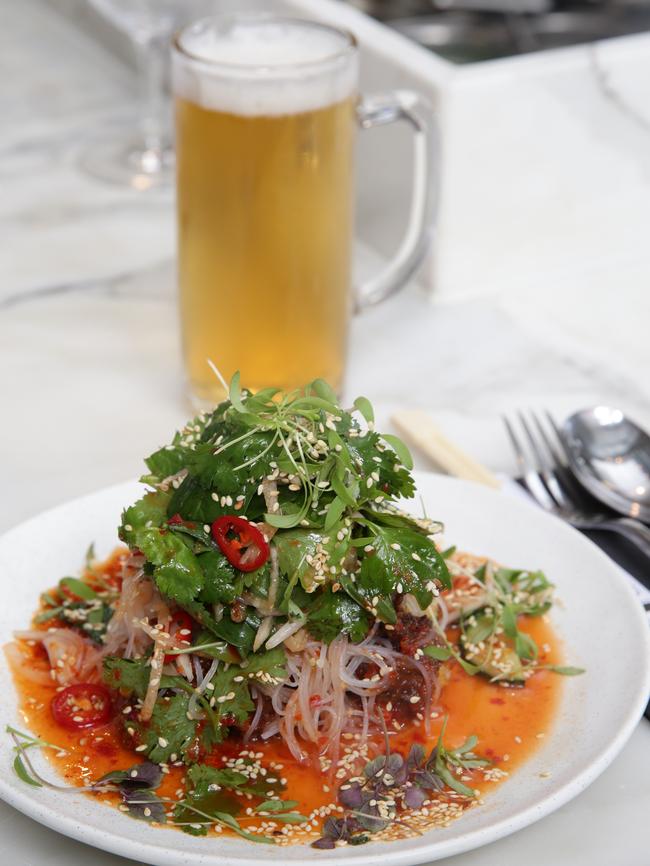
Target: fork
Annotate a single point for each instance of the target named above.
(546, 476)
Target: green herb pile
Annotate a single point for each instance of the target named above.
(490, 640)
(344, 554)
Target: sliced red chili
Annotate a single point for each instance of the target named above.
(85, 705)
(180, 628)
(241, 543)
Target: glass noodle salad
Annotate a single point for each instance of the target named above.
(276, 651)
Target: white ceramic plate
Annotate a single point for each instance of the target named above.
(599, 621)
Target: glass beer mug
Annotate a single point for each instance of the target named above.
(267, 110)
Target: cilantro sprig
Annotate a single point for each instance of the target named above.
(216, 796)
(491, 641)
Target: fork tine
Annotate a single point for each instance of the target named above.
(546, 439)
(542, 461)
(558, 433)
(546, 463)
(516, 446)
(528, 469)
(577, 495)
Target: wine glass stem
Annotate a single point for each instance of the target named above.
(150, 55)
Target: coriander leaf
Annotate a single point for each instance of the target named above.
(384, 477)
(229, 467)
(150, 511)
(271, 663)
(311, 555)
(239, 703)
(220, 584)
(207, 779)
(193, 501)
(130, 676)
(399, 448)
(169, 730)
(335, 613)
(210, 800)
(407, 558)
(170, 459)
(176, 570)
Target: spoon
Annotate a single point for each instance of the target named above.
(610, 455)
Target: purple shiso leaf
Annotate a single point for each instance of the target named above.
(145, 775)
(351, 797)
(416, 756)
(414, 797)
(144, 804)
(324, 842)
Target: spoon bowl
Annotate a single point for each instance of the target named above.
(610, 456)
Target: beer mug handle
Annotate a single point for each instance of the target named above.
(379, 110)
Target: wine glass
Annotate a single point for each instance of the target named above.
(145, 158)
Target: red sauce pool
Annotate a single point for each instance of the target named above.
(509, 723)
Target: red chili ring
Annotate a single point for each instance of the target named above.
(241, 542)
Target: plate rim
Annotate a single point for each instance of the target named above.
(112, 842)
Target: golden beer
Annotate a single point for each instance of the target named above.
(265, 223)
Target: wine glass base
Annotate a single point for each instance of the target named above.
(134, 162)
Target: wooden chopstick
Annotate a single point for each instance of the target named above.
(417, 427)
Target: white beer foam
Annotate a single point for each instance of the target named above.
(263, 66)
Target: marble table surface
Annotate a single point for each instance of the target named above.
(90, 377)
